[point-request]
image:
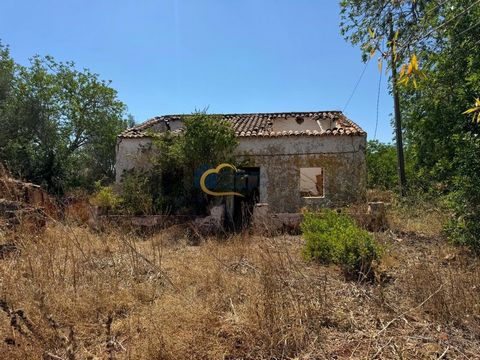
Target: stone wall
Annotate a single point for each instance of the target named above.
(280, 160)
(27, 194)
(130, 153)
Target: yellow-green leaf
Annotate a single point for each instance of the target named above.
(414, 62)
(371, 33)
(403, 81)
(469, 111)
(410, 68)
(475, 110)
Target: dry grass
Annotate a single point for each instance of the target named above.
(421, 218)
(115, 295)
(73, 294)
(455, 289)
(386, 196)
(410, 214)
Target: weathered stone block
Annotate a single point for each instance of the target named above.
(212, 224)
(377, 216)
(265, 222)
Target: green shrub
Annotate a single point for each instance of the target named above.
(136, 193)
(335, 238)
(106, 197)
(167, 186)
(464, 199)
(382, 168)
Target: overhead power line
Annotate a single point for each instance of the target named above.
(428, 13)
(356, 84)
(378, 103)
(436, 7)
(470, 28)
(446, 22)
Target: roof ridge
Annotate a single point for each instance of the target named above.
(260, 124)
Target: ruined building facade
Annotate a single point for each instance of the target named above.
(312, 159)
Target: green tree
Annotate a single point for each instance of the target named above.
(367, 24)
(381, 166)
(59, 124)
(371, 25)
(433, 111)
(7, 67)
(418, 26)
(208, 140)
(447, 150)
(443, 141)
(442, 35)
(397, 30)
(464, 228)
(175, 156)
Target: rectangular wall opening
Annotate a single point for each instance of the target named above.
(247, 182)
(312, 182)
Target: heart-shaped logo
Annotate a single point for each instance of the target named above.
(217, 170)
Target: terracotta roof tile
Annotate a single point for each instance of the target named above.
(258, 125)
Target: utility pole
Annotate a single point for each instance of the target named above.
(402, 180)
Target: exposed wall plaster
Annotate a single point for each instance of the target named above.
(280, 160)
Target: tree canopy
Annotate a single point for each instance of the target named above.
(59, 124)
(439, 45)
(176, 158)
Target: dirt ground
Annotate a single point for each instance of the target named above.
(70, 293)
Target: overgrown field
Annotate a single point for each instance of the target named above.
(70, 293)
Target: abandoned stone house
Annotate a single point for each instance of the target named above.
(303, 159)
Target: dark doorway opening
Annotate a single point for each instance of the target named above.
(247, 182)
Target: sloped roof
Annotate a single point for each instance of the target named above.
(261, 124)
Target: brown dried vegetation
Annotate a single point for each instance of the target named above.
(70, 293)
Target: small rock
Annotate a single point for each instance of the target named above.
(443, 336)
(431, 349)
(449, 257)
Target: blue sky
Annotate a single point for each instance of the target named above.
(234, 56)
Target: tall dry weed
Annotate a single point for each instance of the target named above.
(420, 217)
(453, 292)
(74, 294)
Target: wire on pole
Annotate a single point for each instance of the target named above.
(356, 84)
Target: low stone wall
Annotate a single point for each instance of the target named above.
(264, 222)
(144, 222)
(15, 213)
(200, 226)
(27, 193)
(23, 205)
(370, 216)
